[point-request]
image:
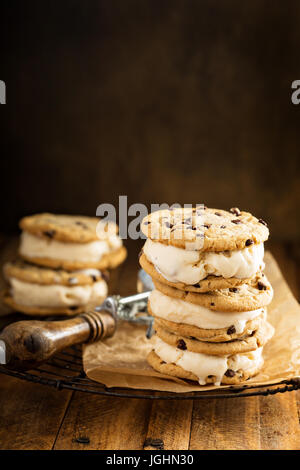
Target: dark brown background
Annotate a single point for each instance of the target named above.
(165, 101)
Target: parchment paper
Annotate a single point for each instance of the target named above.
(120, 361)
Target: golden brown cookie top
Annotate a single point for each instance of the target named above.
(45, 276)
(204, 229)
(250, 343)
(67, 228)
(251, 295)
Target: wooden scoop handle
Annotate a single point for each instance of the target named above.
(26, 344)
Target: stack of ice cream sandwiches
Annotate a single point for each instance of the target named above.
(62, 264)
(211, 295)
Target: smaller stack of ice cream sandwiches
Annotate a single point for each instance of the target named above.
(211, 295)
(62, 265)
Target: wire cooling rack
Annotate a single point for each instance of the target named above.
(65, 371)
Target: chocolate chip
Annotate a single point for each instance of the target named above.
(233, 289)
(230, 373)
(223, 226)
(218, 213)
(162, 362)
(147, 222)
(207, 225)
(82, 440)
(167, 224)
(197, 285)
(235, 210)
(261, 286)
(261, 221)
(94, 278)
(249, 242)
(212, 304)
(236, 221)
(231, 330)
(73, 280)
(181, 345)
(50, 233)
(81, 224)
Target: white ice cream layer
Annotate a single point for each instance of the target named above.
(54, 295)
(180, 311)
(92, 252)
(179, 265)
(203, 365)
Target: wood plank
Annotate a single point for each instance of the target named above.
(229, 424)
(279, 422)
(30, 414)
(169, 423)
(104, 423)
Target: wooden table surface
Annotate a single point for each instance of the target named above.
(34, 416)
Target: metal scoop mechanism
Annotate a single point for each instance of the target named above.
(132, 309)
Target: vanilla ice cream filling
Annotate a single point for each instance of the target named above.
(92, 252)
(55, 295)
(203, 365)
(190, 267)
(180, 311)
